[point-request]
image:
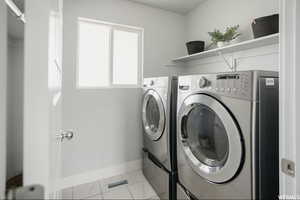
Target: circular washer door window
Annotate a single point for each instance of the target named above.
(210, 138)
(153, 115)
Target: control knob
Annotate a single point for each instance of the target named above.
(203, 82)
(152, 82)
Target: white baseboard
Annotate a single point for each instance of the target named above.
(99, 174)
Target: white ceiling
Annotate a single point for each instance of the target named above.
(178, 6)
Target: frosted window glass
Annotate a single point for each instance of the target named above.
(125, 58)
(93, 55)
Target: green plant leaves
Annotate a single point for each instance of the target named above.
(230, 34)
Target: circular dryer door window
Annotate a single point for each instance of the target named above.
(210, 138)
(207, 139)
(153, 115)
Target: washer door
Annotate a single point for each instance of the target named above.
(154, 118)
(209, 138)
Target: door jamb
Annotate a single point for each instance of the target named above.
(289, 94)
(3, 85)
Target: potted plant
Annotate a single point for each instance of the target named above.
(221, 39)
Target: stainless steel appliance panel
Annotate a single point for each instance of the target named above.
(157, 177)
(240, 187)
(268, 139)
(156, 138)
(251, 101)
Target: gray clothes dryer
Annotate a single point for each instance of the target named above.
(227, 135)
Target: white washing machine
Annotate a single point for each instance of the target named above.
(159, 135)
(227, 135)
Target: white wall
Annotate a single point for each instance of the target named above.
(107, 123)
(218, 14)
(15, 84)
(3, 66)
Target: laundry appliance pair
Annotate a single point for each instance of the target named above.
(226, 132)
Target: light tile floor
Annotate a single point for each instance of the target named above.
(137, 188)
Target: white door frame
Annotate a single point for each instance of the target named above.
(36, 160)
(3, 69)
(42, 87)
(290, 94)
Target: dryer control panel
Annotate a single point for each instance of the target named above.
(238, 85)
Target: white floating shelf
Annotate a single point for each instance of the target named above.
(249, 44)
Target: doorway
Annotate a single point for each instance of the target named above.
(14, 98)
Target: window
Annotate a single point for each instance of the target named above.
(125, 58)
(109, 55)
(94, 58)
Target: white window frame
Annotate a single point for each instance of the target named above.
(119, 27)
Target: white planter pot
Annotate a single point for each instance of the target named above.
(222, 44)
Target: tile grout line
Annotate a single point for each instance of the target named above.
(101, 190)
(100, 186)
(89, 195)
(130, 192)
(72, 193)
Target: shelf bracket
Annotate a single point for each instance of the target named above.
(233, 65)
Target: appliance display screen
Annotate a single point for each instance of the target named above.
(228, 76)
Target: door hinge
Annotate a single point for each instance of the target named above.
(288, 167)
(27, 192)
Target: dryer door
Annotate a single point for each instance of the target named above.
(154, 118)
(210, 138)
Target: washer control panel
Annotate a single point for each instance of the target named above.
(159, 82)
(237, 84)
